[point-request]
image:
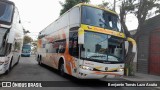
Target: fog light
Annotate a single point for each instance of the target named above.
(121, 70)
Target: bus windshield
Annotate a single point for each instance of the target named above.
(102, 48)
(6, 12)
(100, 18)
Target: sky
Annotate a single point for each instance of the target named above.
(37, 14)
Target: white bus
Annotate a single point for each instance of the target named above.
(11, 36)
(86, 42)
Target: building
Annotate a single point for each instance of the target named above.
(148, 44)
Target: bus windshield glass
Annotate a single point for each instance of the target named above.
(102, 48)
(6, 12)
(26, 49)
(100, 18)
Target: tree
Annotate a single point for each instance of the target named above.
(25, 31)
(70, 3)
(34, 44)
(142, 12)
(104, 5)
(27, 39)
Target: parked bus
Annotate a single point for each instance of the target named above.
(86, 42)
(11, 36)
(26, 50)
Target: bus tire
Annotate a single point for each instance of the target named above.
(61, 68)
(39, 60)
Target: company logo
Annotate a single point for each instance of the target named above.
(106, 68)
(6, 84)
(21, 84)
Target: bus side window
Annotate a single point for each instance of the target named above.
(60, 46)
(73, 43)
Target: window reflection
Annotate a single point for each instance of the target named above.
(100, 18)
(102, 47)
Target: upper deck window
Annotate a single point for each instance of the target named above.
(100, 18)
(6, 12)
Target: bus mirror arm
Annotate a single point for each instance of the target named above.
(134, 46)
(81, 36)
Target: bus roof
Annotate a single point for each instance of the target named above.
(84, 4)
(7, 1)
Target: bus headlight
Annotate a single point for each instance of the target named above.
(1, 63)
(86, 68)
(120, 69)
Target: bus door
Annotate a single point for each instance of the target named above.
(74, 49)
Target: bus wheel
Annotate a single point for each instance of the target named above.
(61, 69)
(39, 60)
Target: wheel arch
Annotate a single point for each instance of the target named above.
(61, 61)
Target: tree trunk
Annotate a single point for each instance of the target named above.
(130, 55)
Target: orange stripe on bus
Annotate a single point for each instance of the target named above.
(68, 60)
(109, 73)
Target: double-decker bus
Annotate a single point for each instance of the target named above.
(86, 42)
(11, 36)
(26, 50)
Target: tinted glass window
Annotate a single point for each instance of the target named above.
(73, 43)
(2, 41)
(102, 47)
(100, 18)
(6, 12)
(59, 46)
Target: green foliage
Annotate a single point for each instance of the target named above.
(70, 3)
(34, 43)
(17, 46)
(27, 39)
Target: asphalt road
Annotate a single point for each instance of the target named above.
(29, 70)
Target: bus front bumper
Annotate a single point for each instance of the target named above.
(4, 65)
(2, 68)
(87, 74)
(25, 55)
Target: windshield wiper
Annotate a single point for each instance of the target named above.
(96, 56)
